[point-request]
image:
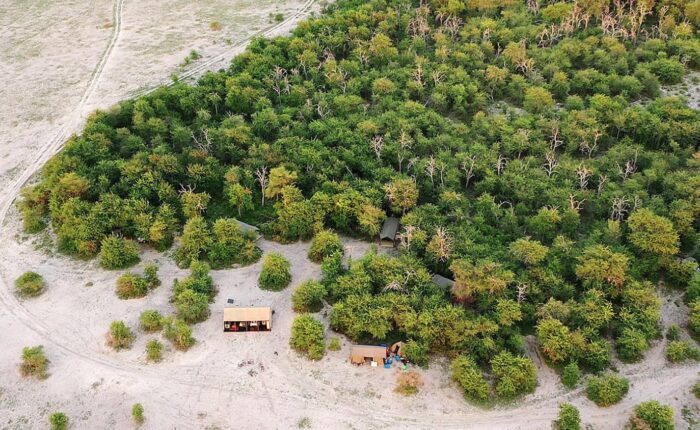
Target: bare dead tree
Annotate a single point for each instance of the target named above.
(443, 249)
(583, 173)
(636, 203)
(522, 291)
(405, 144)
(500, 164)
(602, 179)
(554, 139)
(629, 169)
(406, 237)
(437, 76)
(551, 163)
(430, 168)
(262, 179)
(619, 208)
(395, 286)
(468, 167)
(377, 144)
(575, 205)
(205, 143)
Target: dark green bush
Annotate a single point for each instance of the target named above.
(34, 362)
(58, 421)
(137, 413)
(308, 297)
(178, 332)
(118, 253)
(607, 389)
(569, 417)
(652, 415)
(151, 321)
(324, 244)
(307, 337)
(275, 274)
(120, 336)
(681, 350)
(154, 350)
(131, 286)
(570, 375)
(469, 377)
(30, 284)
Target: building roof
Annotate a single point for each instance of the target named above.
(248, 314)
(389, 229)
(368, 351)
(247, 227)
(441, 281)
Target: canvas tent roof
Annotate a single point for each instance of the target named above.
(248, 314)
(247, 227)
(441, 281)
(389, 229)
(368, 351)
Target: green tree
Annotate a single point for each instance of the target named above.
(569, 417)
(280, 177)
(652, 233)
(538, 100)
(58, 421)
(34, 362)
(570, 375)
(470, 378)
(118, 253)
(308, 297)
(324, 244)
(195, 241)
(402, 194)
(528, 252)
(120, 336)
(275, 274)
(483, 277)
(652, 415)
(513, 375)
(307, 337)
(607, 389)
(599, 265)
(191, 306)
(151, 321)
(30, 284)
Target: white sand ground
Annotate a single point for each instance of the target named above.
(62, 58)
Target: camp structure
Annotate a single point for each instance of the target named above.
(247, 228)
(237, 319)
(443, 282)
(387, 237)
(397, 348)
(359, 354)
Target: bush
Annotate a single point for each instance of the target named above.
(131, 286)
(34, 362)
(120, 336)
(179, 333)
(58, 421)
(150, 274)
(416, 353)
(679, 350)
(199, 280)
(137, 413)
(324, 244)
(570, 375)
(154, 350)
(308, 297)
(30, 284)
(631, 345)
(513, 375)
(569, 417)
(334, 344)
(192, 307)
(696, 389)
(151, 321)
(669, 71)
(694, 318)
(606, 390)
(652, 415)
(118, 253)
(408, 383)
(275, 274)
(307, 337)
(466, 373)
(673, 332)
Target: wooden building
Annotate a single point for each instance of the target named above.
(238, 319)
(390, 229)
(359, 354)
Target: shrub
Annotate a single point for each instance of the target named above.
(466, 373)
(408, 383)
(694, 317)
(120, 336)
(118, 253)
(652, 415)
(680, 350)
(131, 286)
(570, 375)
(308, 297)
(58, 421)
(334, 344)
(192, 307)
(275, 274)
(569, 417)
(669, 71)
(150, 274)
(199, 280)
(151, 321)
(179, 333)
(30, 284)
(154, 350)
(34, 362)
(673, 332)
(537, 100)
(607, 389)
(631, 345)
(307, 336)
(513, 375)
(416, 352)
(696, 389)
(324, 244)
(137, 413)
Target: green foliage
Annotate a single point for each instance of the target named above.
(652, 415)
(681, 350)
(179, 333)
(569, 417)
(150, 274)
(607, 389)
(416, 353)
(118, 253)
(570, 375)
(469, 377)
(137, 413)
(131, 286)
(694, 317)
(30, 284)
(151, 321)
(696, 390)
(120, 336)
(669, 71)
(275, 274)
(673, 332)
(652, 233)
(58, 421)
(154, 350)
(324, 244)
(308, 297)
(307, 337)
(191, 306)
(34, 362)
(631, 345)
(513, 375)
(334, 344)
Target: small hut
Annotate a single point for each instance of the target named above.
(243, 319)
(387, 237)
(443, 282)
(359, 354)
(247, 228)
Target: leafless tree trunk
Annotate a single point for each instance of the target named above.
(261, 175)
(468, 171)
(551, 163)
(377, 144)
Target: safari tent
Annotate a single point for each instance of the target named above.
(443, 282)
(387, 237)
(242, 319)
(359, 354)
(247, 228)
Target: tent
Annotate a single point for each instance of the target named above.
(247, 228)
(441, 281)
(390, 229)
(237, 319)
(360, 353)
